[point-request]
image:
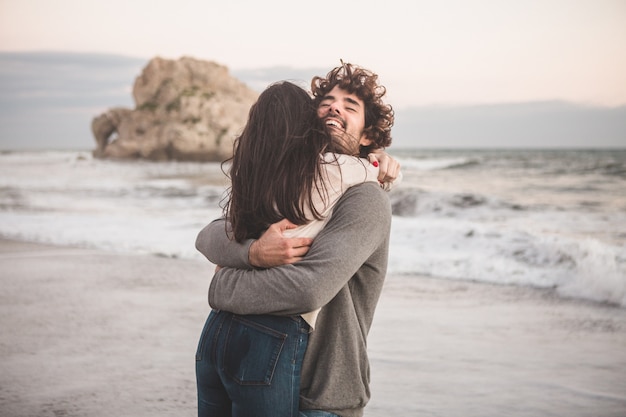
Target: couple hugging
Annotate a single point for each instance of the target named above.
(287, 334)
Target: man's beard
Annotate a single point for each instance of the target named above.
(343, 143)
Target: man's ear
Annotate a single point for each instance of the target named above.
(365, 141)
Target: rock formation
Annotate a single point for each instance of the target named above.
(186, 110)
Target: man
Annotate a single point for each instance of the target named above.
(343, 271)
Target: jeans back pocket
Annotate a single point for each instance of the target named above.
(252, 351)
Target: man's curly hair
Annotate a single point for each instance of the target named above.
(379, 117)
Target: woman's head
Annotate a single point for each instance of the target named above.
(281, 118)
(275, 160)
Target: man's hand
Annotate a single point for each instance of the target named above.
(389, 168)
(274, 249)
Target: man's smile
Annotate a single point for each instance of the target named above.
(334, 123)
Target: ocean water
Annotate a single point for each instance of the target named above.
(542, 218)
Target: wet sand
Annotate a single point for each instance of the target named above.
(94, 333)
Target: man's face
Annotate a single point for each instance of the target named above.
(343, 114)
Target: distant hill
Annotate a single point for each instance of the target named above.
(48, 99)
(513, 125)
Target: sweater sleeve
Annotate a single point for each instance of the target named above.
(362, 215)
(215, 244)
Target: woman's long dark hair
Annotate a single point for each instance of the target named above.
(276, 162)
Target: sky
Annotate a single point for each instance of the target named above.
(439, 53)
(427, 52)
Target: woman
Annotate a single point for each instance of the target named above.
(284, 165)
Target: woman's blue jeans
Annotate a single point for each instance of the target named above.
(249, 366)
(316, 413)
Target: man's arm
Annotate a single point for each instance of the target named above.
(357, 230)
(271, 249)
(214, 242)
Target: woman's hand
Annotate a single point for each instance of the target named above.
(388, 167)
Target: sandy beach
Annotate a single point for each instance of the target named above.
(94, 333)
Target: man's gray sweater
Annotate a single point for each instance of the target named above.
(343, 272)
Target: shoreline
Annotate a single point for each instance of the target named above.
(87, 332)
